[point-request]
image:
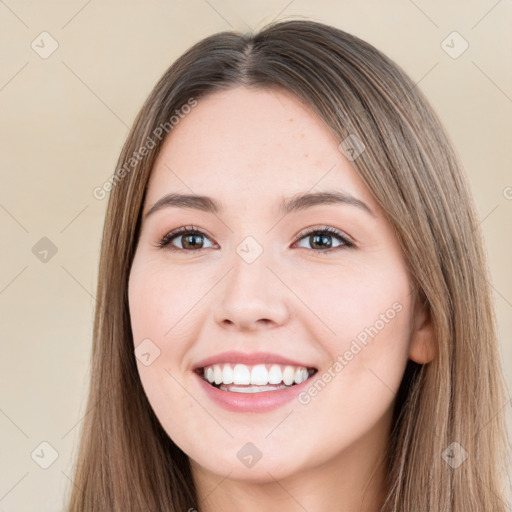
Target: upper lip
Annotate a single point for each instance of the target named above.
(251, 358)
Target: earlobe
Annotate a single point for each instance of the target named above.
(423, 346)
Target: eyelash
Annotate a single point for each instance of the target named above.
(346, 243)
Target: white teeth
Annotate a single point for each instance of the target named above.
(227, 374)
(275, 375)
(217, 374)
(259, 376)
(241, 374)
(250, 389)
(288, 375)
(301, 374)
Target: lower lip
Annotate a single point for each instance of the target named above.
(251, 402)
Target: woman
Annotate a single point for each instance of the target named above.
(293, 306)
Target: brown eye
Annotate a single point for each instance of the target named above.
(192, 239)
(189, 239)
(321, 239)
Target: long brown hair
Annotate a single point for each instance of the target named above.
(126, 461)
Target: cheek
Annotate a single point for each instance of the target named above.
(368, 355)
(162, 302)
(367, 314)
(158, 303)
(354, 302)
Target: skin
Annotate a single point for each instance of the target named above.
(248, 149)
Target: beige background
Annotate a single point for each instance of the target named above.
(66, 116)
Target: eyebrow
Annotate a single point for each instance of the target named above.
(298, 202)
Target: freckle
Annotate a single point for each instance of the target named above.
(306, 155)
(290, 120)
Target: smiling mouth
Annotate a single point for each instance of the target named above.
(241, 378)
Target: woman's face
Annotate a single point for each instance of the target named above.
(262, 291)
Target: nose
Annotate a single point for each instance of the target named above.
(252, 298)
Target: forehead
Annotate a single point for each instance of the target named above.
(262, 143)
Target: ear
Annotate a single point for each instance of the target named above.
(423, 345)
